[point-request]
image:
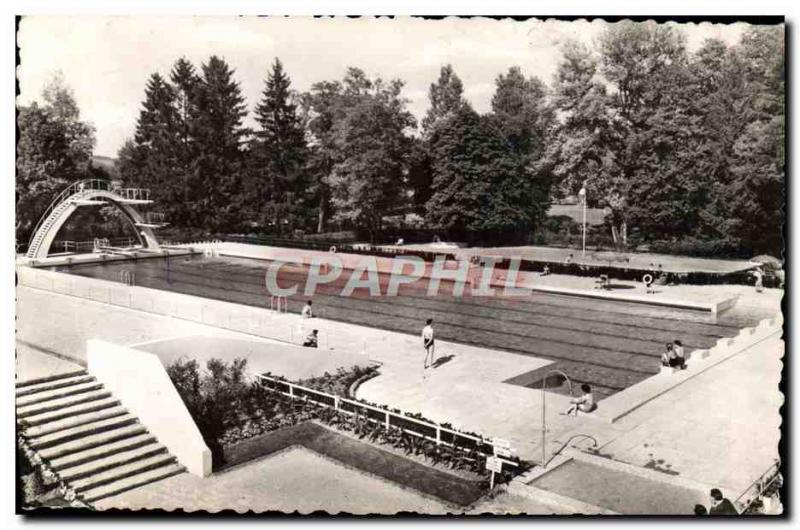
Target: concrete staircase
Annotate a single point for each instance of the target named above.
(92, 445)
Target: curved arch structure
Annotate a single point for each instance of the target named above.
(90, 193)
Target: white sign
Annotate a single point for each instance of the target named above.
(494, 464)
(501, 447)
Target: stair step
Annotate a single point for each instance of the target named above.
(68, 412)
(61, 382)
(97, 467)
(74, 421)
(101, 451)
(47, 395)
(76, 433)
(91, 441)
(122, 472)
(142, 479)
(50, 378)
(56, 404)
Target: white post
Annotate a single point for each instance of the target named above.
(584, 220)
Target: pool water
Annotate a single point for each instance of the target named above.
(610, 345)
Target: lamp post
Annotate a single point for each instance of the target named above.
(582, 195)
(544, 418)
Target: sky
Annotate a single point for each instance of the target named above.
(106, 60)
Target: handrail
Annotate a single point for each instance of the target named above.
(72, 189)
(388, 413)
(774, 468)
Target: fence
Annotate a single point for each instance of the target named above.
(414, 426)
(756, 490)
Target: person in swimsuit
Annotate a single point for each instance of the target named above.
(428, 342)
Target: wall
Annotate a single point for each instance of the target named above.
(140, 382)
(225, 315)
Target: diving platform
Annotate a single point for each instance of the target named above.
(94, 192)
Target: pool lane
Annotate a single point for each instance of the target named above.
(608, 344)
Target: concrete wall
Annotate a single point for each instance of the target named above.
(140, 382)
(225, 315)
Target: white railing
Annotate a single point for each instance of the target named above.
(76, 187)
(338, 403)
(133, 194)
(756, 490)
(278, 302)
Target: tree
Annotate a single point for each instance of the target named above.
(370, 134)
(321, 110)
(217, 194)
(635, 57)
(522, 113)
(279, 151)
(184, 81)
(54, 148)
(479, 183)
(583, 148)
(446, 97)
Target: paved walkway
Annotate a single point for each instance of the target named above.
(637, 260)
(295, 480)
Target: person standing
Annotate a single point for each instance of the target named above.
(759, 274)
(428, 341)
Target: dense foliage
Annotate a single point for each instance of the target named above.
(676, 144)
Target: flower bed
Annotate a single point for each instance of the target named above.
(39, 485)
(229, 410)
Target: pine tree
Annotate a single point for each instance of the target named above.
(279, 151)
(184, 82)
(218, 132)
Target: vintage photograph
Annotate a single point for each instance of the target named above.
(400, 265)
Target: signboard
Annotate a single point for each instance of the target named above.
(501, 447)
(494, 464)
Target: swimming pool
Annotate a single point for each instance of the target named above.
(610, 345)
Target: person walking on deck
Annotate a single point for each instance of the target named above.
(428, 342)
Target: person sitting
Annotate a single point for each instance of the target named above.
(603, 282)
(400, 242)
(312, 340)
(546, 271)
(307, 313)
(668, 355)
(568, 260)
(584, 404)
(680, 357)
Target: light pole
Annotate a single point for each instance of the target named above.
(582, 195)
(544, 418)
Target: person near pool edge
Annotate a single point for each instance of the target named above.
(668, 355)
(427, 341)
(585, 403)
(306, 313)
(680, 357)
(312, 340)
